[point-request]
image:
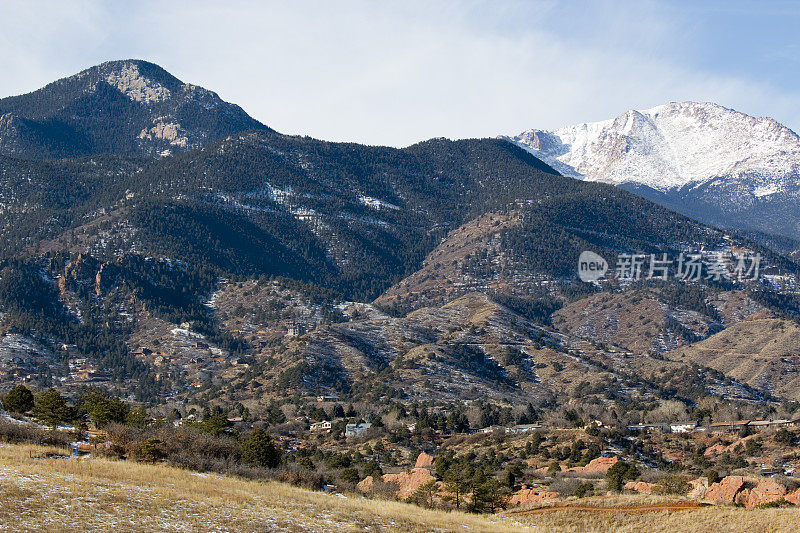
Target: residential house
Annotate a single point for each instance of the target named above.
(324, 425)
(683, 427)
(295, 329)
(646, 427)
(523, 428)
(328, 398)
(735, 425)
(354, 430)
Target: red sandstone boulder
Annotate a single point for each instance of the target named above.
(699, 488)
(747, 491)
(793, 497)
(601, 464)
(641, 487)
(765, 491)
(532, 495)
(725, 491)
(409, 482)
(424, 460)
(365, 485)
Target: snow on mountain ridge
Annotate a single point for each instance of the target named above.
(671, 146)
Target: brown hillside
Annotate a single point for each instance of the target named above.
(763, 353)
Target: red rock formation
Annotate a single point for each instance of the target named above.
(794, 497)
(699, 488)
(725, 491)
(409, 482)
(601, 464)
(424, 460)
(720, 448)
(765, 491)
(673, 455)
(748, 491)
(365, 485)
(716, 449)
(640, 486)
(531, 495)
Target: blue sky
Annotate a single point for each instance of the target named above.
(399, 72)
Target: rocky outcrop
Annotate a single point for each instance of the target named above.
(699, 488)
(166, 131)
(641, 487)
(409, 482)
(366, 484)
(765, 491)
(720, 448)
(528, 495)
(674, 456)
(423, 460)
(600, 464)
(725, 491)
(715, 450)
(748, 491)
(130, 82)
(793, 497)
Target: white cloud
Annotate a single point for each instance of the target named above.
(390, 74)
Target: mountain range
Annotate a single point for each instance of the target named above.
(168, 239)
(709, 162)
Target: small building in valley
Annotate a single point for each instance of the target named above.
(324, 425)
(354, 430)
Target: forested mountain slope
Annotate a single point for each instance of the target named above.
(122, 107)
(123, 258)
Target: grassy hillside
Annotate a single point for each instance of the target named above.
(56, 494)
(92, 494)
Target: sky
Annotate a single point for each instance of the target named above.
(396, 73)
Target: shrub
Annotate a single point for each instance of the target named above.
(258, 450)
(584, 489)
(25, 433)
(150, 450)
(713, 476)
(350, 475)
(102, 408)
(785, 437)
(19, 400)
(619, 473)
(776, 504)
(673, 484)
(51, 409)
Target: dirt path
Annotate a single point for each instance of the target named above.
(631, 509)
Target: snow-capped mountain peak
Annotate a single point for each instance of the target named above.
(671, 146)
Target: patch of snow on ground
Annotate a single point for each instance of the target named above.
(766, 190)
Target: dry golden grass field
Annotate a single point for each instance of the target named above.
(703, 519)
(100, 494)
